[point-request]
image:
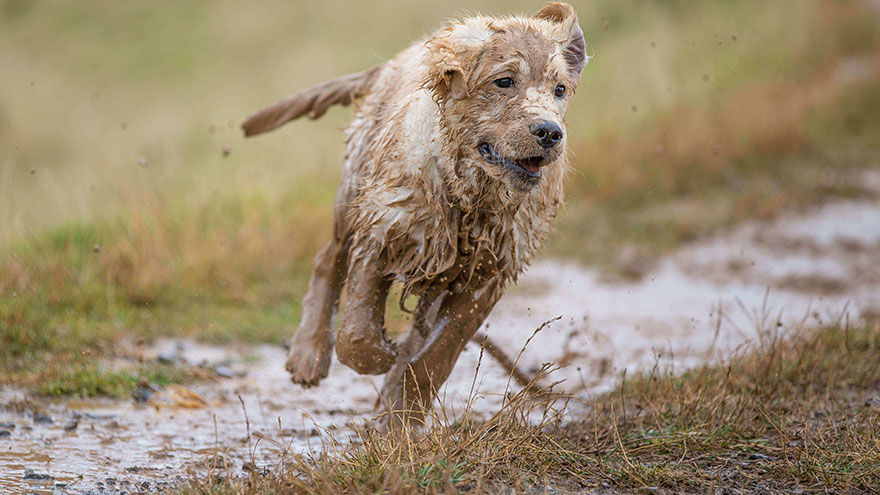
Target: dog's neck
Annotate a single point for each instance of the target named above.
(469, 189)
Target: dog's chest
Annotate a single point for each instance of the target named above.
(481, 245)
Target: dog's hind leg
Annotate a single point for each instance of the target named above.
(409, 392)
(423, 320)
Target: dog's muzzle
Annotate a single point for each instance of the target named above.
(529, 167)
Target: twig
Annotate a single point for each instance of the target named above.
(521, 377)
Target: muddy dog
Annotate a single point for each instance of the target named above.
(452, 176)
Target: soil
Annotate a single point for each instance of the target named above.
(709, 299)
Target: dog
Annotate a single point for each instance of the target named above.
(452, 176)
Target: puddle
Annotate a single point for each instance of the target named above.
(704, 301)
(134, 443)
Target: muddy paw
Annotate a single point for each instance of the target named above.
(308, 363)
(368, 352)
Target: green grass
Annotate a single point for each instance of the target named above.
(791, 413)
(85, 381)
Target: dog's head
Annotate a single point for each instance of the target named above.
(504, 86)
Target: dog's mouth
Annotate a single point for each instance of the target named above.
(529, 167)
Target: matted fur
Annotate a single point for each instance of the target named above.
(445, 189)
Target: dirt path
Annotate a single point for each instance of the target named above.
(703, 301)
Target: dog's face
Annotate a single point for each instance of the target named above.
(504, 86)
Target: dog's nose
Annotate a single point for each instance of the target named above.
(548, 133)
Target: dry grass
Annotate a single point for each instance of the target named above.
(792, 414)
(96, 243)
(691, 116)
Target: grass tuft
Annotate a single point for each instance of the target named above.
(87, 381)
(796, 412)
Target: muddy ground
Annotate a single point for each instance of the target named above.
(704, 301)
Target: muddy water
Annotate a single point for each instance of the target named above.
(133, 443)
(704, 301)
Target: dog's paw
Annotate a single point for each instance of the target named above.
(308, 363)
(368, 353)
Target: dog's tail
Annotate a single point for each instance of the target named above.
(312, 102)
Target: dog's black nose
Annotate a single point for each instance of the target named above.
(548, 133)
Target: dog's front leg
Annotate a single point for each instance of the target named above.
(311, 347)
(361, 343)
(409, 393)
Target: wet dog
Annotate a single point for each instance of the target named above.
(452, 176)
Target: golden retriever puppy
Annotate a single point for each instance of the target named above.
(452, 176)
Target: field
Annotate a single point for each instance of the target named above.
(132, 210)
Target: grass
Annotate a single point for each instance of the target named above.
(797, 412)
(86, 381)
(120, 217)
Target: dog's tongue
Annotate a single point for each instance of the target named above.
(533, 165)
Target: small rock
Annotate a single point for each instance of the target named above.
(42, 419)
(225, 151)
(224, 371)
(4, 433)
(30, 475)
(168, 357)
(100, 416)
(72, 425)
(143, 393)
(8, 425)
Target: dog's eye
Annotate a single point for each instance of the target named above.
(559, 91)
(504, 82)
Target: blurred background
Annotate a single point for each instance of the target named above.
(130, 205)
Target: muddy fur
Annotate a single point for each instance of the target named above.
(452, 176)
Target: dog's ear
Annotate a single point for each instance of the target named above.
(445, 75)
(570, 33)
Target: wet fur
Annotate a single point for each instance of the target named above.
(419, 205)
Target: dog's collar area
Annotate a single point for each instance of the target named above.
(529, 166)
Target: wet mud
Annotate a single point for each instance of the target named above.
(702, 302)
